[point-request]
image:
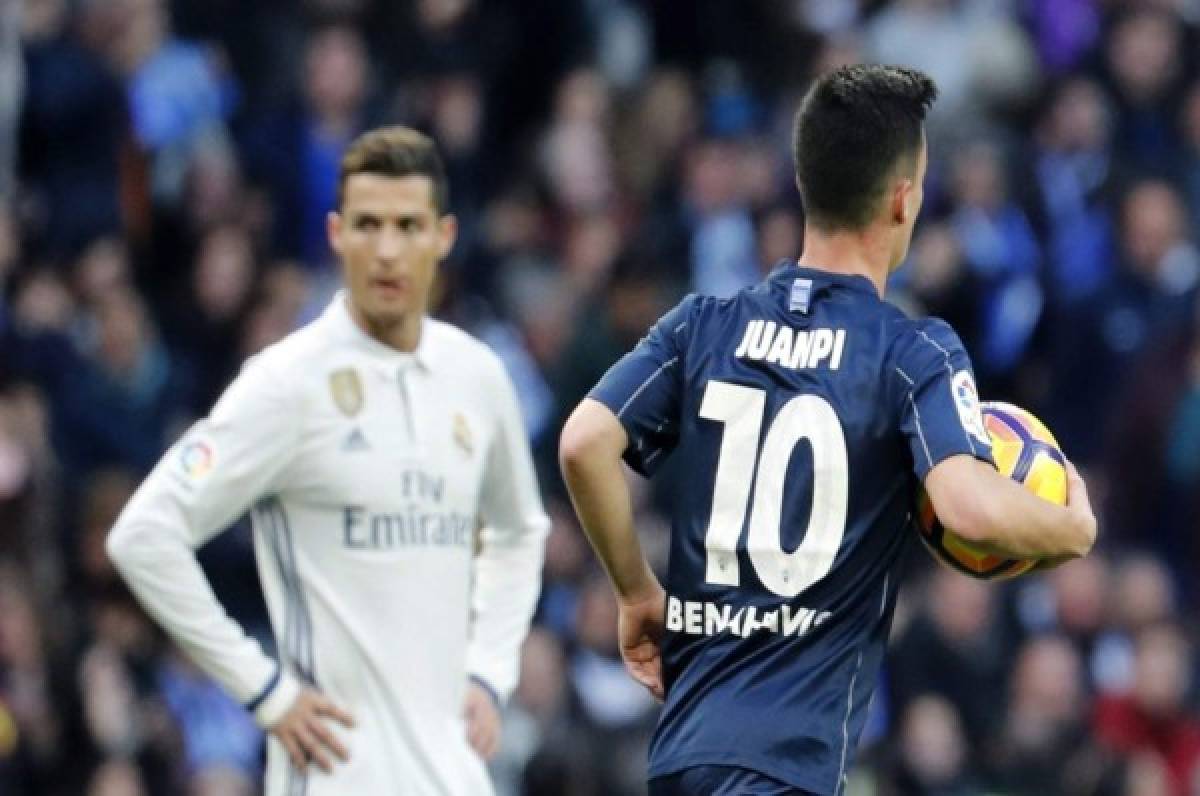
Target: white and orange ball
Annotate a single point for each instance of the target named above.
(1024, 450)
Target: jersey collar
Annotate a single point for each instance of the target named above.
(791, 269)
(339, 318)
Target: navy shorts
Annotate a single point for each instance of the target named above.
(721, 781)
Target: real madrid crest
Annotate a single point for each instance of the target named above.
(346, 388)
(462, 434)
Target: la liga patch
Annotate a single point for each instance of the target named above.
(966, 401)
(197, 458)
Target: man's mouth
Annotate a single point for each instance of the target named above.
(389, 287)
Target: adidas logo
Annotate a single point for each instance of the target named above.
(355, 441)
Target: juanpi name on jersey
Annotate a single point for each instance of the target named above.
(700, 618)
(777, 344)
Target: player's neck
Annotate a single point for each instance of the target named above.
(845, 252)
(402, 334)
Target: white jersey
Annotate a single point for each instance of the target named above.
(368, 471)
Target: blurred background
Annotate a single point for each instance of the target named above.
(165, 166)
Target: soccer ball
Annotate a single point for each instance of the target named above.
(1024, 450)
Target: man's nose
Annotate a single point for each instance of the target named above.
(391, 245)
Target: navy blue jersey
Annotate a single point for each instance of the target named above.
(805, 410)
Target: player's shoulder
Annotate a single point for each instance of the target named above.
(446, 339)
(266, 381)
(284, 359)
(923, 339)
(678, 318)
(293, 369)
(687, 318)
(929, 332)
(452, 346)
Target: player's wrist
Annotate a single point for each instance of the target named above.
(642, 590)
(275, 704)
(487, 688)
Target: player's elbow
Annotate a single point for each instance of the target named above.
(124, 545)
(576, 446)
(590, 433)
(118, 545)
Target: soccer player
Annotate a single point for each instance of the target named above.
(806, 411)
(371, 445)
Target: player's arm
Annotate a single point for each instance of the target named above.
(632, 414)
(509, 563)
(590, 450)
(1000, 515)
(592, 445)
(951, 453)
(204, 482)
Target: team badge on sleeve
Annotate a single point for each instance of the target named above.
(966, 400)
(197, 458)
(346, 388)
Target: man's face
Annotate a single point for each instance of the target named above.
(390, 239)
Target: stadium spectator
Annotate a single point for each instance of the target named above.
(1145, 59)
(72, 129)
(998, 245)
(1073, 171)
(1150, 506)
(933, 754)
(1152, 719)
(575, 154)
(28, 692)
(953, 650)
(1079, 600)
(179, 94)
(1189, 122)
(294, 149)
(1044, 746)
(616, 712)
(117, 394)
(1101, 341)
(537, 721)
(939, 283)
(205, 319)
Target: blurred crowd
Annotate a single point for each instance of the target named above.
(165, 167)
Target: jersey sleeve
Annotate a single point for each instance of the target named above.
(508, 566)
(939, 410)
(204, 482)
(644, 389)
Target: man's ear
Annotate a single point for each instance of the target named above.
(448, 233)
(901, 192)
(333, 230)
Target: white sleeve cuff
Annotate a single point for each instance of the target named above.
(276, 700)
(483, 683)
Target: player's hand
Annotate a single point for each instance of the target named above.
(483, 720)
(1079, 505)
(305, 731)
(641, 623)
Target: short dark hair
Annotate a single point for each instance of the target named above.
(853, 125)
(396, 152)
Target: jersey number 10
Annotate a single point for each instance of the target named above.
(741, 465)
